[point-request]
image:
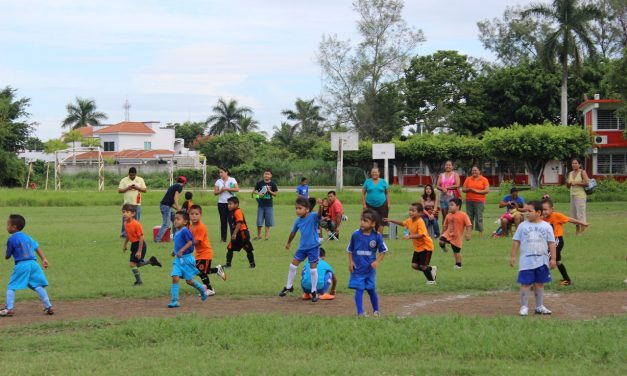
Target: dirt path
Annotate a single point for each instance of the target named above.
(583, 305)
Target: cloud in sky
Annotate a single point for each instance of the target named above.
(173, 60)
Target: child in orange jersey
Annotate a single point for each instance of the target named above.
(557, 220)
(204, 253)
(135, 234)
(240, 238)
(453, 230)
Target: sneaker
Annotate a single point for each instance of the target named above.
(327, 297)
(173, 305)
(376, 314)
(49, 311)
(221, 272)
(252, 265)
(138, 283)
(306, 296)
(542, 310)
(314, 297)
(434, 272)
(210, 292)
(457, 267)
(431, 282)
(362, 315)
(565, 282)
(204, 295)
(286, 290)
(7, 312)
(524, 311)
(154, 262)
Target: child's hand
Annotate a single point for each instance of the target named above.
(138, 255)
(234, 236)
(351, 266)
(374, 264)
(124, 249)
(386, 220)
(406, 237)
(552, 264)
(287, 246)
(172, 254)
(44, 262)
(179, 254)
(512, 261)
(468, 237)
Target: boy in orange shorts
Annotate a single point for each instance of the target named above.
(204, 253)
(453, 230)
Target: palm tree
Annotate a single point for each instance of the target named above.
(226, 117)
(307, 117)
(283, 135)
(247, 124)
(573, 31)
(82, 113)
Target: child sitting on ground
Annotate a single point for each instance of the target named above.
(327, 280)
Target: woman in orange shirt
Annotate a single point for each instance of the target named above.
(476, 188)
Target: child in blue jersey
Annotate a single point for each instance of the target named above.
(363, 260)
(184, 263)
(26, 272)
(326, 285)
(303, 188)
(309, 246)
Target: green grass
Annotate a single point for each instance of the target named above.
(274, 344)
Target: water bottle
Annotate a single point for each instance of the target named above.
(405, 232)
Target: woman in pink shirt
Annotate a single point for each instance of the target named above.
(448, 184)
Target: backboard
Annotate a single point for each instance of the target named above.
(383, 151)
(350, 141)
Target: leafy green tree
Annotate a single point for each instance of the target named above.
(14, 133)
(380, 114)
(33, 143)
(247, 124)
(54, 144)
(73, 136)
(91, 142)
(283, 135)
(536, 145)
(189, 131)
(617, 80)
(571, 36)
(82, 113)
(226, 117)
(231, 149)
(307, 117)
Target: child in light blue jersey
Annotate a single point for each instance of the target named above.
(326, 284)
(26, 272)
(309, 246)
(184, 263)
(363, 260)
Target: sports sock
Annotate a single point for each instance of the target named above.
(374, 299)
(563, 271)
(213, 270)
(539, 296)
(10, 298)
(205, 280)
(43, 296)
(428, 274)
(291, 275)
(229, 257)
(359, 301)
(138, 277)
(314, 278)
(198, 286)
(458, 264)
(174, 291)
(524, 297)
(143, 262)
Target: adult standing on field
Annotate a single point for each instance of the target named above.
(132, 186)
(576, 181)
(375, 195)
(448, 184)
(170, 205)
(225, 187)
(265, 190)
(476, 188)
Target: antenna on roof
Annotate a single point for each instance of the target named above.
(127, 107)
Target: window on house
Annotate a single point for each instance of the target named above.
(109, 146)
(607, 120)
(612, 164)
(147, 145)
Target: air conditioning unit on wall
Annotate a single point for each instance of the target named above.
(600, 140)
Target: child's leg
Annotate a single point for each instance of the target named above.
(359, 301)
(229, 255)
(524, 295)
(10, 299)
(457, 252)
(560, 266)
(174, 291)
(313, 272)
(539, 293)
(195, 284)
(135, 270)
(292, 273)
(248, 247)
(43, 296)
(374, 299)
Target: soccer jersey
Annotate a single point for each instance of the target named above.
(323, 268)
(534, 247)
(22, 247)
(364, 250)
(557, 221)
(303, 190)
(132, 196)
(455, 223)
(418, 227)
(201, 241)
(308, 226)
(133, 230)
(237, 216)
(181, 238)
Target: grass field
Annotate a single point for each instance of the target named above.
(83, 247)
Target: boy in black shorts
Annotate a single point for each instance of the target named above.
(240, 238)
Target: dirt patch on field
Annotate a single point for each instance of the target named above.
(583, 305)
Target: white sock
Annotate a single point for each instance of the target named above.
(291, 275)
(314, 278)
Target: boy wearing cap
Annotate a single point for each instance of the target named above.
(514, 205)
(170, 205)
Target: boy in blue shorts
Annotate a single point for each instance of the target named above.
(327, 281)
(363, 260)
(536, 241)
(184, 263)
(309, 246)
(26, 272)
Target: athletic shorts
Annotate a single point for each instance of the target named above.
(134, 247)
(25, 274)
(203, 266)
(363, 281)
(242, 241)
(559, 244)
(445, 240)
(537, 275)
(184, 267)
(312, 254)
(421, 258)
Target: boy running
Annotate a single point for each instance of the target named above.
(135, 234)
(204, 253)
(240, 237)
(453, 230)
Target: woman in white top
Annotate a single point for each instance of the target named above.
(224, 188)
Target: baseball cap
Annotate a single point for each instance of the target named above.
(181, 179)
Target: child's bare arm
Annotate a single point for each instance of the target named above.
(390, 220)
(184, 248)
(553, 260)
(236, 230)
(289, 240)
(351, 263)
(333, 284)
(468, 232)
(512, 258)
(378, 260)
(577, 222)
(41, 255)
(125, 247)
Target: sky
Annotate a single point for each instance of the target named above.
(174, 60)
